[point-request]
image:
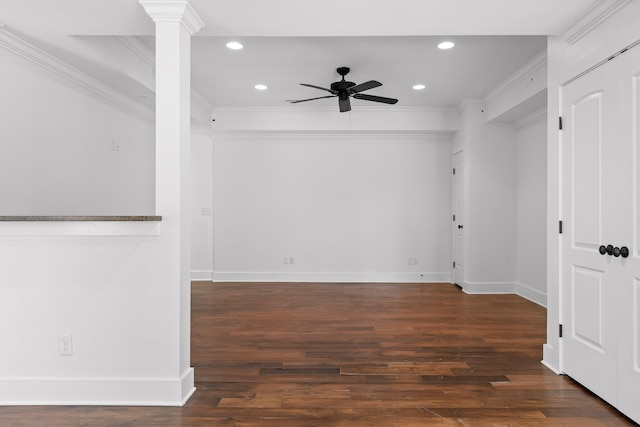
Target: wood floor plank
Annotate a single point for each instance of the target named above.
(357, 355)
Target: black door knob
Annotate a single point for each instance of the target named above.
(616, 252)
(602, 249)
(624, 252)
(610, 249)
(460, 227)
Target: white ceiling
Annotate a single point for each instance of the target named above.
(288, 42)
(474, 67)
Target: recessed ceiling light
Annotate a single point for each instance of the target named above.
(261, 87)
(419, 87)
(446, 45)
(234, 45)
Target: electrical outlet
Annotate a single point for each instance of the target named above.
(65, 345)
(291, 260)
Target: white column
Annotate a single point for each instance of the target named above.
(176, 22)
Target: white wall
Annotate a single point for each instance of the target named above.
(202, 207)
(490, 201)
(345, 207)
(531, 181)
(66, 152)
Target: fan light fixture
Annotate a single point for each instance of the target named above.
(418, 87)
(260, 87)
(234, 45)
(446, 45)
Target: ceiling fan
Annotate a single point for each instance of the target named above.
(344, 89)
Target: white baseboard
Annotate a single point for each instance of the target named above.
(332, 277)
(97, 391)
(531, 294)
(550, 358)
(488, 287)
(524, 291)
(201, 275)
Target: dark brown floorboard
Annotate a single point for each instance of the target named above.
(358, 355)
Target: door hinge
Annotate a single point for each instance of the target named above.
(454, 171)
(560, 227)
(454, 264)
(560, 122)
(560, 331)
(454, 217)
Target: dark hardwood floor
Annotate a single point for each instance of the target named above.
(358, 355)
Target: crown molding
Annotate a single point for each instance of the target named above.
(201, 108)
(371, 109)
(261, 134)
(136, 46)
(173, 11)
(531, 119)
(470, 102)
(591, 18)
(25, 50)
(535, 63)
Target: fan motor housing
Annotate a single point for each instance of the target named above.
(341, 86)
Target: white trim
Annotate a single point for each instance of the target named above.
(289, 109)
(25, 50)
(426, 136)
(531, 294)
(97, 391)
(593, 17)
(327, 120)
(534, 118)
(173, 11)
(313, 132)
(134, 44)
(202, 275)
(187, 386)
(201, 108)
(547, 353)
(333, 277)
(488, 287)
(470, 102)
(523, 291)
(537, 62)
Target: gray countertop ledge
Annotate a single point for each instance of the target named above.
(33, 218)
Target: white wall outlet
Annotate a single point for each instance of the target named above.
(412, 260)
(285, 260)
(65, 345)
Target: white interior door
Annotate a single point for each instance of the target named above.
(458, 218)
(589, 345)
(600, 207)
(629, 286)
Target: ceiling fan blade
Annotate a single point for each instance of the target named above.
(295, 101)
(364, 86)
(345, 105)
(321, 88)
(375, 98)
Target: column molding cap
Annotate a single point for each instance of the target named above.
(173, 11)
